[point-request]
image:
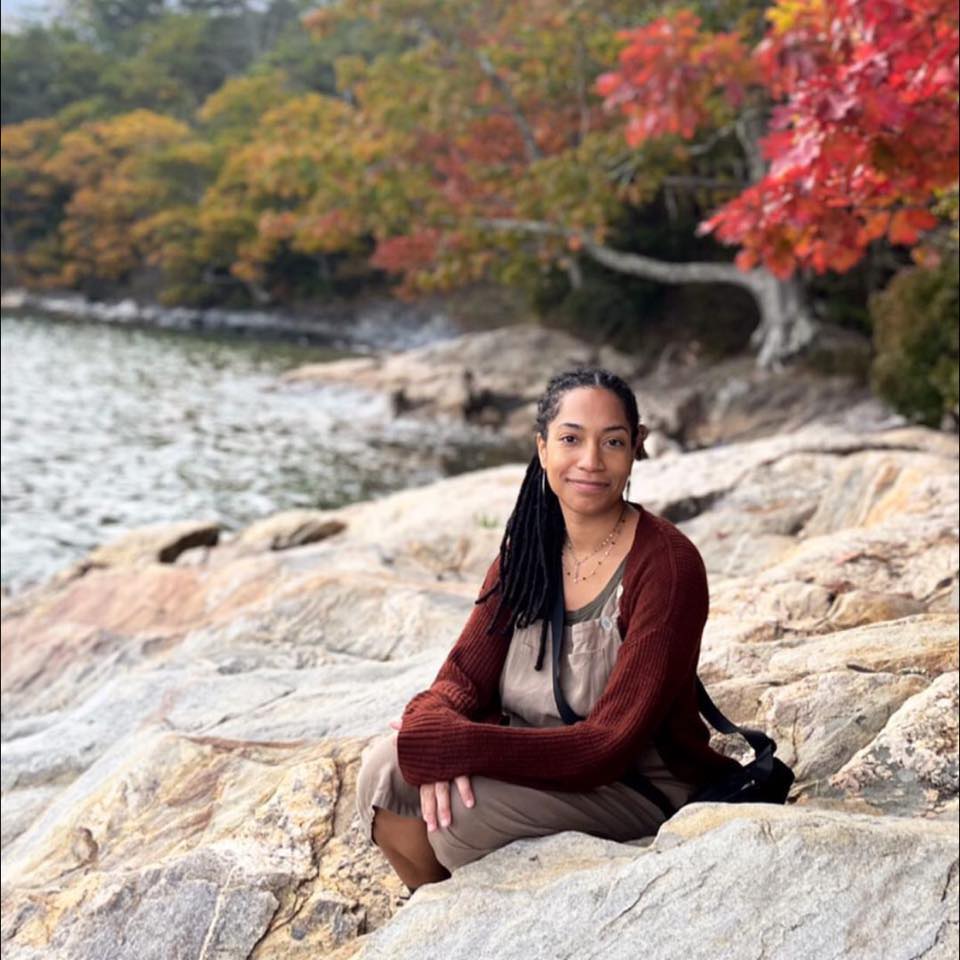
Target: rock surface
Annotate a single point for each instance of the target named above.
(726, 883)
(491, 377)
(181, 739)
(162, 543)
(495, 377)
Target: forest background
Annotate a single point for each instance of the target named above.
(723, 172)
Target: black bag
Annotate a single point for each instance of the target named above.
(766, 779)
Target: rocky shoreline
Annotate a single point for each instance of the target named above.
(183, 716)
(361, 327)
(416, 355)
(494, 378)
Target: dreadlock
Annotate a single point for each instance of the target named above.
(530, 573)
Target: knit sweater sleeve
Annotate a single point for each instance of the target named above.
(664, 619)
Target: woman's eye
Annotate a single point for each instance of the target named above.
(570, 437)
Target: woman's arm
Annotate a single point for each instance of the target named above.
(660, 649)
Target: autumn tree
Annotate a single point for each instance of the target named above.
(117, 176)
(288, 191)
(861, 136)
(501, 152)
(481, 121)
(504, 159)
(32, 201)
(203, 202)
(487, 140)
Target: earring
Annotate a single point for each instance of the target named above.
(543, 482)
(626, 490)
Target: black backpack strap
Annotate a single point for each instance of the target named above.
(763, 747)
(567, 713)
(632, 778)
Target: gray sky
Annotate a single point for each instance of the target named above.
(15, 12)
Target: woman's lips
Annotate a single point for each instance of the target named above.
(589, 486)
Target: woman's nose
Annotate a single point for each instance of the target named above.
(590, 458)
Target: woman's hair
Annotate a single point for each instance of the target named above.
(530, 549)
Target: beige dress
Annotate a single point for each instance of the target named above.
(504, 811)
(591, 639)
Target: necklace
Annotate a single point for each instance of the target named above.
(606, 545)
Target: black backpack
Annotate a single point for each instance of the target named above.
(765, 779)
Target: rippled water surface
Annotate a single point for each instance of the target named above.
(104, 429)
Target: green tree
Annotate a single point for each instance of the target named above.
(44, 69)
(115, 23)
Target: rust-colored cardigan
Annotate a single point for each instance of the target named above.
(651, 692)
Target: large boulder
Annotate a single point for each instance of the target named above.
(179, 846)
(180, 739)
(729, 883)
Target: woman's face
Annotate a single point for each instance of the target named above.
(588, 453)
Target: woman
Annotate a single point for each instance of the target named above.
(483, 757)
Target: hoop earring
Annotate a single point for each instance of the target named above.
(543, 482)
(626, 490)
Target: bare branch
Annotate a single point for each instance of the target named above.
(698, 149)
(632, 263)
(529, 141)
(786, 325)
(708, 183)
(749, 131)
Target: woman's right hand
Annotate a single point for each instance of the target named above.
(435, 797)
(435, 801)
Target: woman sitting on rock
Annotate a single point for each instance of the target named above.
(485, 756)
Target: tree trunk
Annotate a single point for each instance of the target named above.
(786, 325)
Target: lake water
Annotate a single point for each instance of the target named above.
(106, 428)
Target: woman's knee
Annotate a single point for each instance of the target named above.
(452, 848)
(472, 832)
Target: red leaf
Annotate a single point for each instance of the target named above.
(907, 225)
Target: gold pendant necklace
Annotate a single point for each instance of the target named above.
(608, 541)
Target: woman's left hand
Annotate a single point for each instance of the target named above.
(435, 797)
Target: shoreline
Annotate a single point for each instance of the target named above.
(371, 326)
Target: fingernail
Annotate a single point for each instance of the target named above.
(470, 802)
(431, 827)
(445, 822)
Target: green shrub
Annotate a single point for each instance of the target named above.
(915, 336)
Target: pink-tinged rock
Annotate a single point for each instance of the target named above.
(910, 768)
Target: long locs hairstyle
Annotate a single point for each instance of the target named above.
(530, 570)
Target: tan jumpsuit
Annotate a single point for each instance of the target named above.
(504, 811)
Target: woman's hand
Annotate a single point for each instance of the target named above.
(435, 797)
(435, 801)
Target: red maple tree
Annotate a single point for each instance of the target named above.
(861, 104)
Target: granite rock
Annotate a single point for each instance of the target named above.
(181, 739)
(729, 883)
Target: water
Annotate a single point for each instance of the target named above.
(105, 429)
